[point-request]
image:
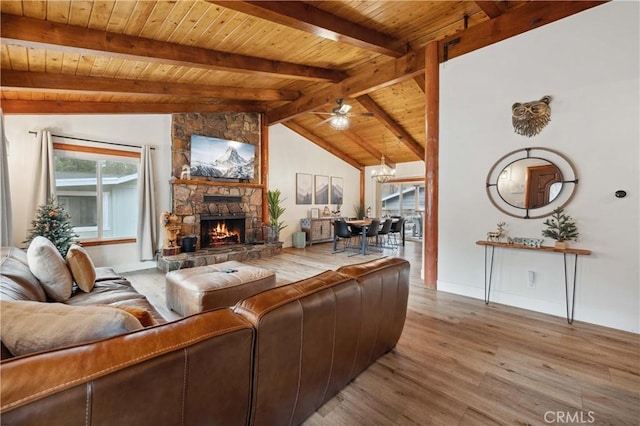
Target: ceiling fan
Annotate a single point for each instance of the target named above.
(340, 116)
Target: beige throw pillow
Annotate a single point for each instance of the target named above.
(82, 268)
(47, 264)
(28, 327)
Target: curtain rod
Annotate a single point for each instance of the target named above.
(91, 140)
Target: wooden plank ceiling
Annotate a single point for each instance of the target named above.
(285, 59)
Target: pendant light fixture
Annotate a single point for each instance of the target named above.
(384, 172)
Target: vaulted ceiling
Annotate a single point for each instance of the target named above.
(282, 58)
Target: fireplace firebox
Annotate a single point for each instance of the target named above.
(216, 231)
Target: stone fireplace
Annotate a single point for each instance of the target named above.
(219, 216)
(225, 215)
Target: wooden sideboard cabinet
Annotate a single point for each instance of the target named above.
(317, 230)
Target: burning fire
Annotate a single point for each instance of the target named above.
(221, 234)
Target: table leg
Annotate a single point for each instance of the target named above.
(570, 305)
(487, 285)
(364, 240)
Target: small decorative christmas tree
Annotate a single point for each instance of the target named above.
(560, 227)
(54, 223)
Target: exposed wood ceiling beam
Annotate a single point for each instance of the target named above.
(74, 107)
(420, 82)
(38, 33)
(391, 125)
(525, 18)
(355, 138)
(377, 77)
(492, 9)
(305, 17)
(38, 80)
(322, 144)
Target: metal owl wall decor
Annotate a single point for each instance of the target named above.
(531, 117)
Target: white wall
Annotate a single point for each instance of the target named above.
(154, 130)
(290, 153)
(589, 64)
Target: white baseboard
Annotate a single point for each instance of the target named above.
(545, 307)
(558, 309)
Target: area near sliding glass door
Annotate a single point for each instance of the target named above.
(405, 199)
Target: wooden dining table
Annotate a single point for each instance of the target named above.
(364, 224)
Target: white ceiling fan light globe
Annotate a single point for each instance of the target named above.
(340, 122)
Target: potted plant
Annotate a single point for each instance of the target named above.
(275, 212)
(359, 210)
(561, 228)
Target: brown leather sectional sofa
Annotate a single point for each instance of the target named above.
(273, 359)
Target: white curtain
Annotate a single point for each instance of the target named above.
(6, 231)
(45, 179)
(147, 240)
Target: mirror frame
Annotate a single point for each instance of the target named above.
(569, 182)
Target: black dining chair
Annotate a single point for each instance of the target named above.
(372, 233)
(355, 230)
(341, 232)
(396, 230)
(383, 234)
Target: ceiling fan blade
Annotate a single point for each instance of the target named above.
(324, 121)
(322, 113)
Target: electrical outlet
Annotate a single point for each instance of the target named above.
(531, 279)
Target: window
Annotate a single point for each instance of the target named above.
(99, 189)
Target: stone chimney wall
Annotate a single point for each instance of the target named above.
(188, 195)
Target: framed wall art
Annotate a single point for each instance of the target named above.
(304, 188)
(336, 190)
(322, 189)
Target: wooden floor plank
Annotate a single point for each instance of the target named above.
(461, 362)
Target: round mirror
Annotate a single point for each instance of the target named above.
(531, 182)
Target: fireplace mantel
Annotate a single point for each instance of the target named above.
(215, 183)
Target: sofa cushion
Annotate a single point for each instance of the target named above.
(81, 266)
(106, 292)
(47, 264)
(28, 327)
(17, 282)
(142, 315)
(116, 291)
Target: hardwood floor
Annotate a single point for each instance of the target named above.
(460, 362)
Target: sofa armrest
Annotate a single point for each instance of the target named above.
(196, 370)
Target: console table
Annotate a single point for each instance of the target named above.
(565, 252)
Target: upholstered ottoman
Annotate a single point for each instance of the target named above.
(194, 290)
